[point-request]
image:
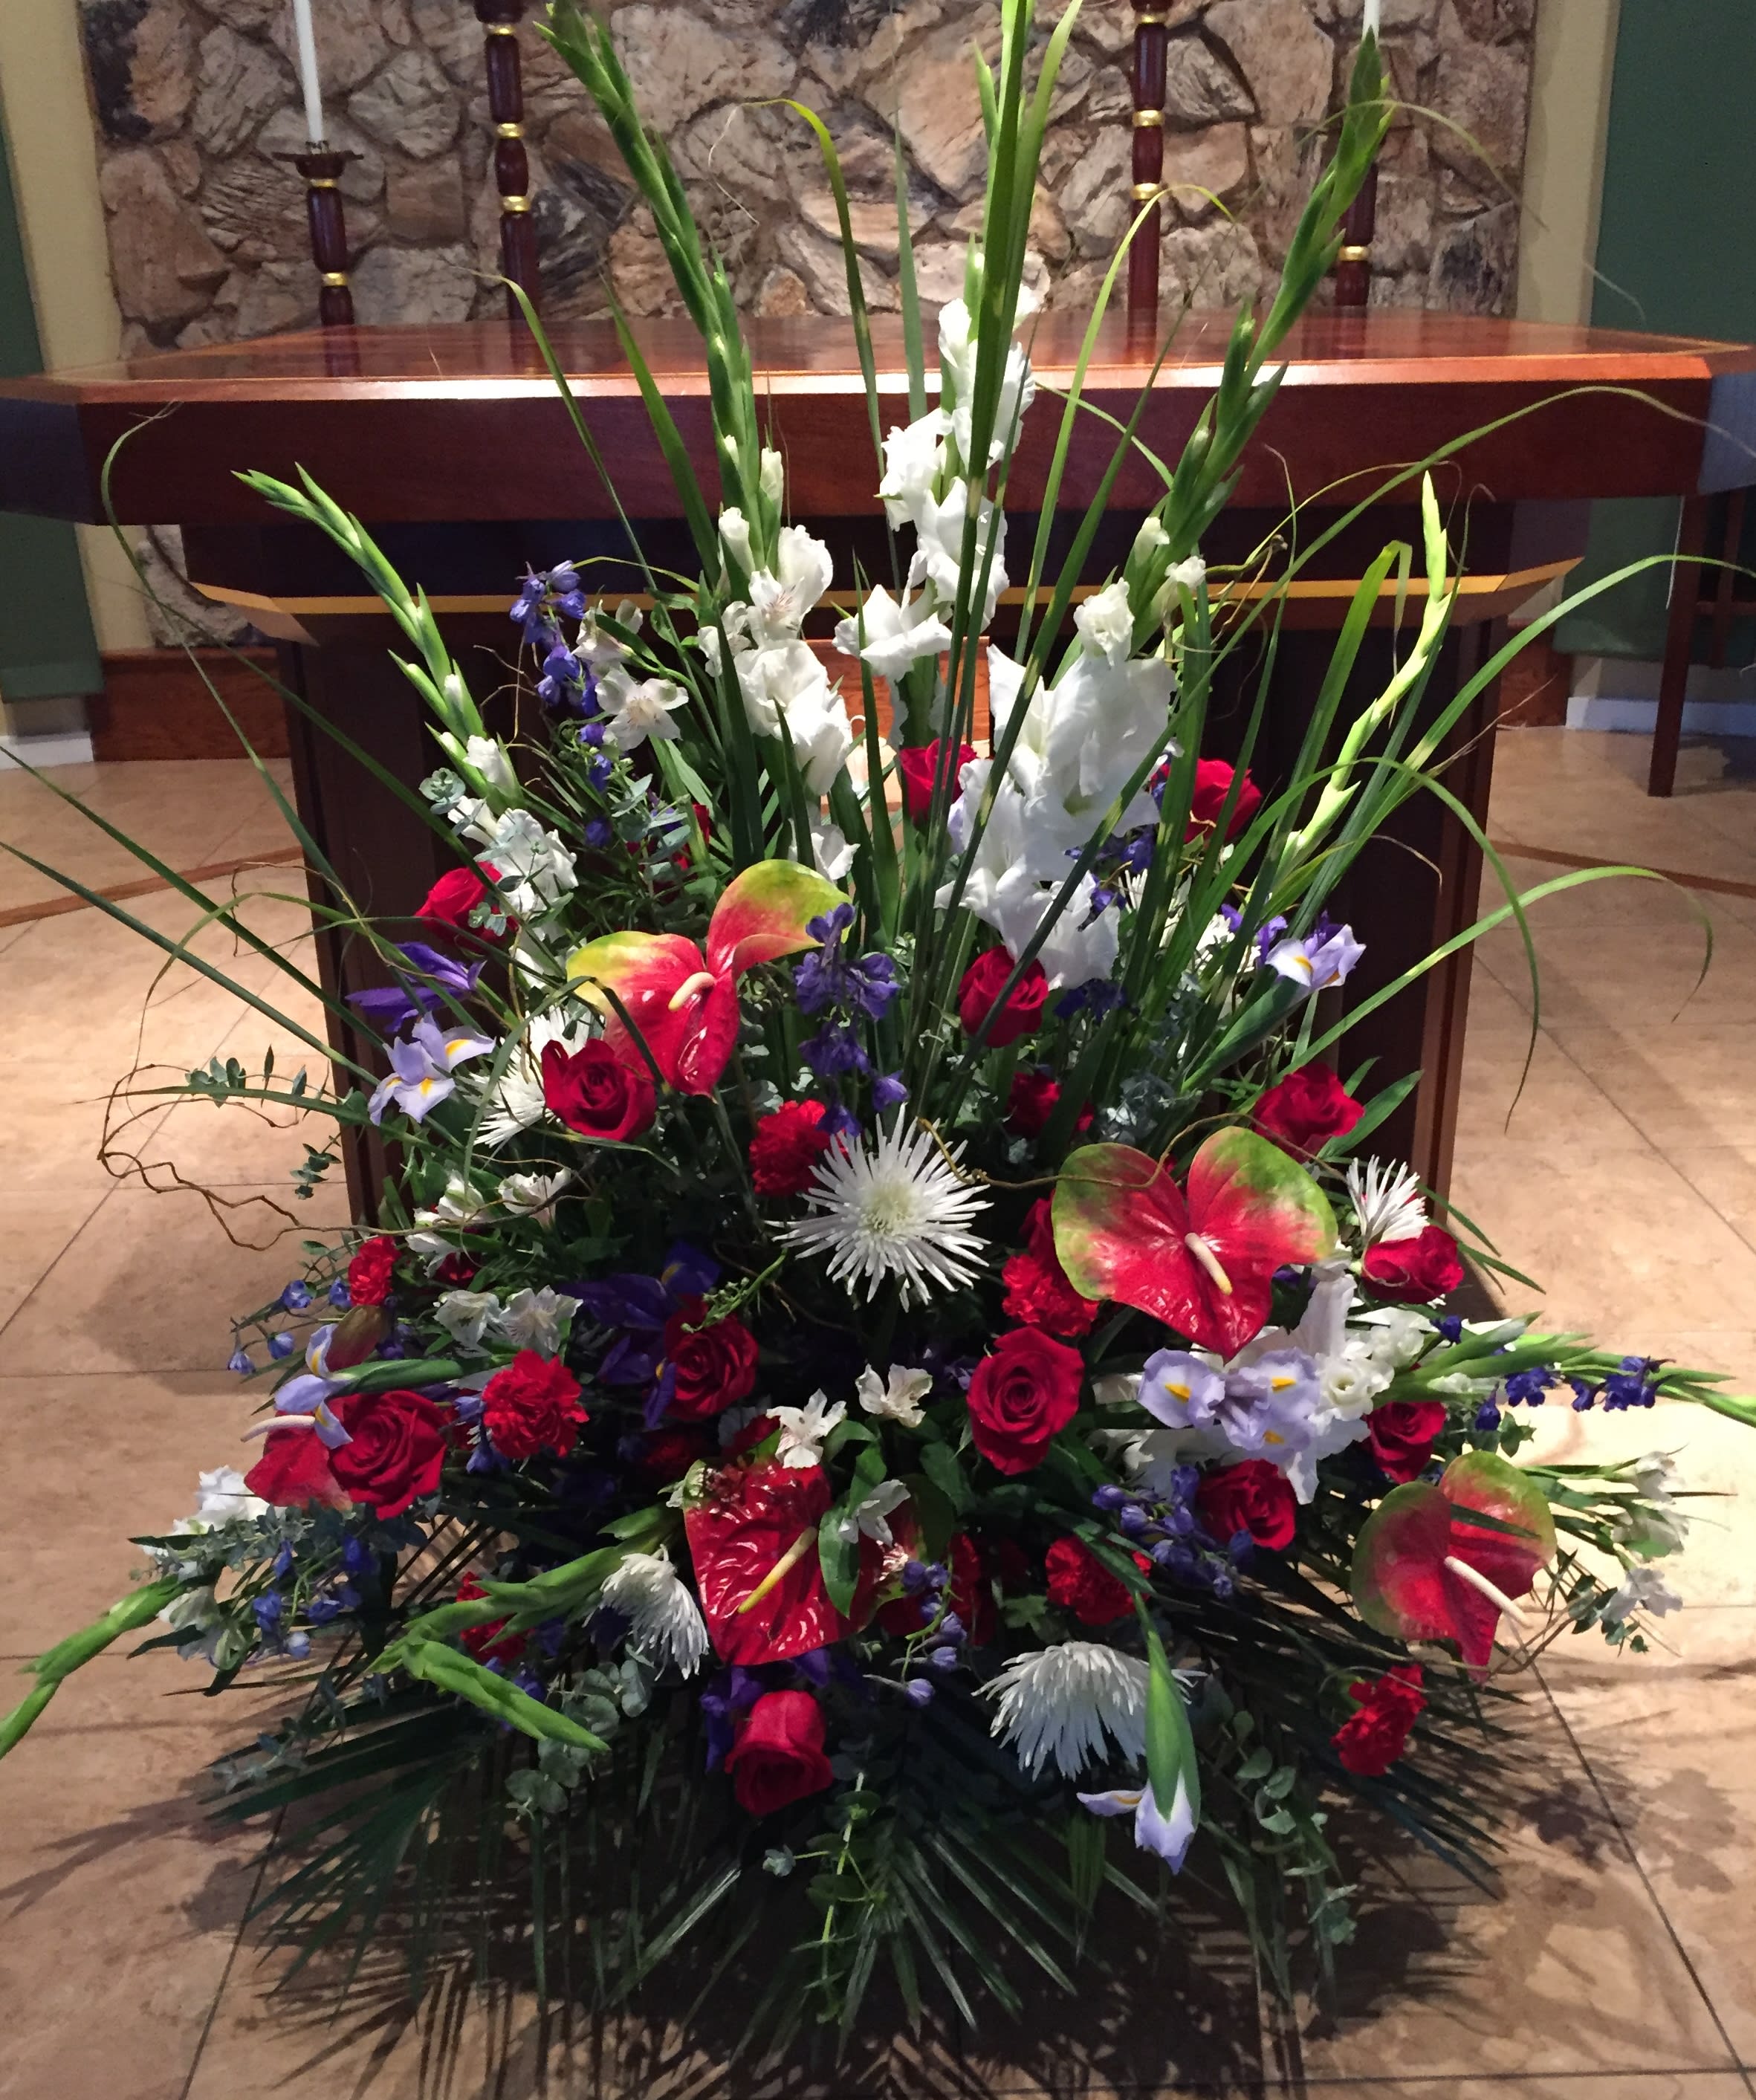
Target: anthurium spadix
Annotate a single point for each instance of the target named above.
(1202, 1258)
(1443, 1560)
(682, 1000)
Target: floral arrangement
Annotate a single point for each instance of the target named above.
(884, 1349)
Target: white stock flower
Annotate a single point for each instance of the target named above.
(898, 632)
(892, 1206)
(487, 756)
(464, 1315)
(1061, 1703)
(533, 868)
(664, 1622)
(635, 710)
(803, 1429)
(1387, 1202)
(536, 1320)
(897, 1399)
(533, 1195)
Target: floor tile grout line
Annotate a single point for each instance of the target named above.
(231, 1955)
(123, 892)
(1683, 1175)
(1715, 885)
(1734, 2060)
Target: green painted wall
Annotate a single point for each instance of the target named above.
(46, 644)
(1674, 253)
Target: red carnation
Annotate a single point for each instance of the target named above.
(1033, 1100)
(595, 1093)
(917, 766)
(1038, 1293)
(532, 1406)
(1252, 1496)
(1403, 1433)
(1213, 783)
(1307, 1107)
(1370, 1741)
(485, 1640)
(983, 982)
(455, 896)
(369, 1274)
(1414, 1271)
(1021, 1396)
(786, 1148)
(709, 1369)
(395, 1450)
(778, 1756)
(1080, 1583)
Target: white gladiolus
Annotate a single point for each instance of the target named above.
(913, 460)
(898, 632)
(487, 756)
(735, 530)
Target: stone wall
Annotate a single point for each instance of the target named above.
(197, 111)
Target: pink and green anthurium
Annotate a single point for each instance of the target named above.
(683, 1003)
(1443, 1560)
(1201, 1258)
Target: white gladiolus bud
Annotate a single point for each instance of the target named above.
(772, 474)
(735, 530)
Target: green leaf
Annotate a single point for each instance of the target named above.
(938, 1461)
(839, 1558)
(1170, 1743)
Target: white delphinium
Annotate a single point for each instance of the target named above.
(664, 1622)
(536, 1320)
(466, 1315)
(1061, 1703)
(894, 1205)
(533, 1196)
(897, 1399)
(1387, 1202)
(803, 1429)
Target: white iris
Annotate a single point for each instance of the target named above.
(897, 1208)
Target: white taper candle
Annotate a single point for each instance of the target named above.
(1370, 22)
(307, 70)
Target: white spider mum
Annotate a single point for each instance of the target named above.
(1059, 1703)
(664, 1622)
(895, 1207)
(1387, 1201)
(515, 1102)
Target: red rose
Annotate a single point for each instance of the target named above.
(1080, 1583)
(778, 1756)
(483, 1641)
(1413, 1271)
(786, 1147)
(1403, 1433)
(532, 1406)
(982, 987)
(757, 1430)
(709, 1369)
(1213, 783)
(1032, 1101)
(1252, 1496)
(595, 1093)
(666, 1455)
(455, 896)
(397, 1448)
(1370, 1741)
(1026, 1392)
(917, 767)
(1308, 1106)
(1037, 1291)
(293, 1471)
(369, 1274)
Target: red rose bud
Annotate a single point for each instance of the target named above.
(1252, 1497)
(708, 1368)
(369, 1272)
(592, 1092)
(1403, 1433)
(1213, 783)
(1033, 1100)
(1038, 1293)
(786, 1147)
(1305, 1108)
(1022, 1396)
(1080, 1583)
(980, 989)
(453, 897)
(532, 1406)
(1371, 1742)
(1414, 1271)
(396, 1451)
(778, 1756)
(917, 767)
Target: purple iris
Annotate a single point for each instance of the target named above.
(1317, 959)
(1096, 996)
(732, 1692)
(391, 1007)
(637, 1308)
(1267, 933)
(829, 977)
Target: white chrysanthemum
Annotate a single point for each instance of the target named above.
(895, 1207)
(1387, 1201)
(515, 1102)
(1061, 1702)
(664, 1622)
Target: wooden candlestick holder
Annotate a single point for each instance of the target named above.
(512, 166)
(323, 169)
(1151, 45)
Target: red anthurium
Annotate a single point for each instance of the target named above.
(683, 1003)
(1426, 1568)
(755, 1536)
(1202, 1260)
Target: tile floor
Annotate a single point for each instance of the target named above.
(1620, 1965)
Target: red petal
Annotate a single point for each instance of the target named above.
(295, 1470)
(737, 1537)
